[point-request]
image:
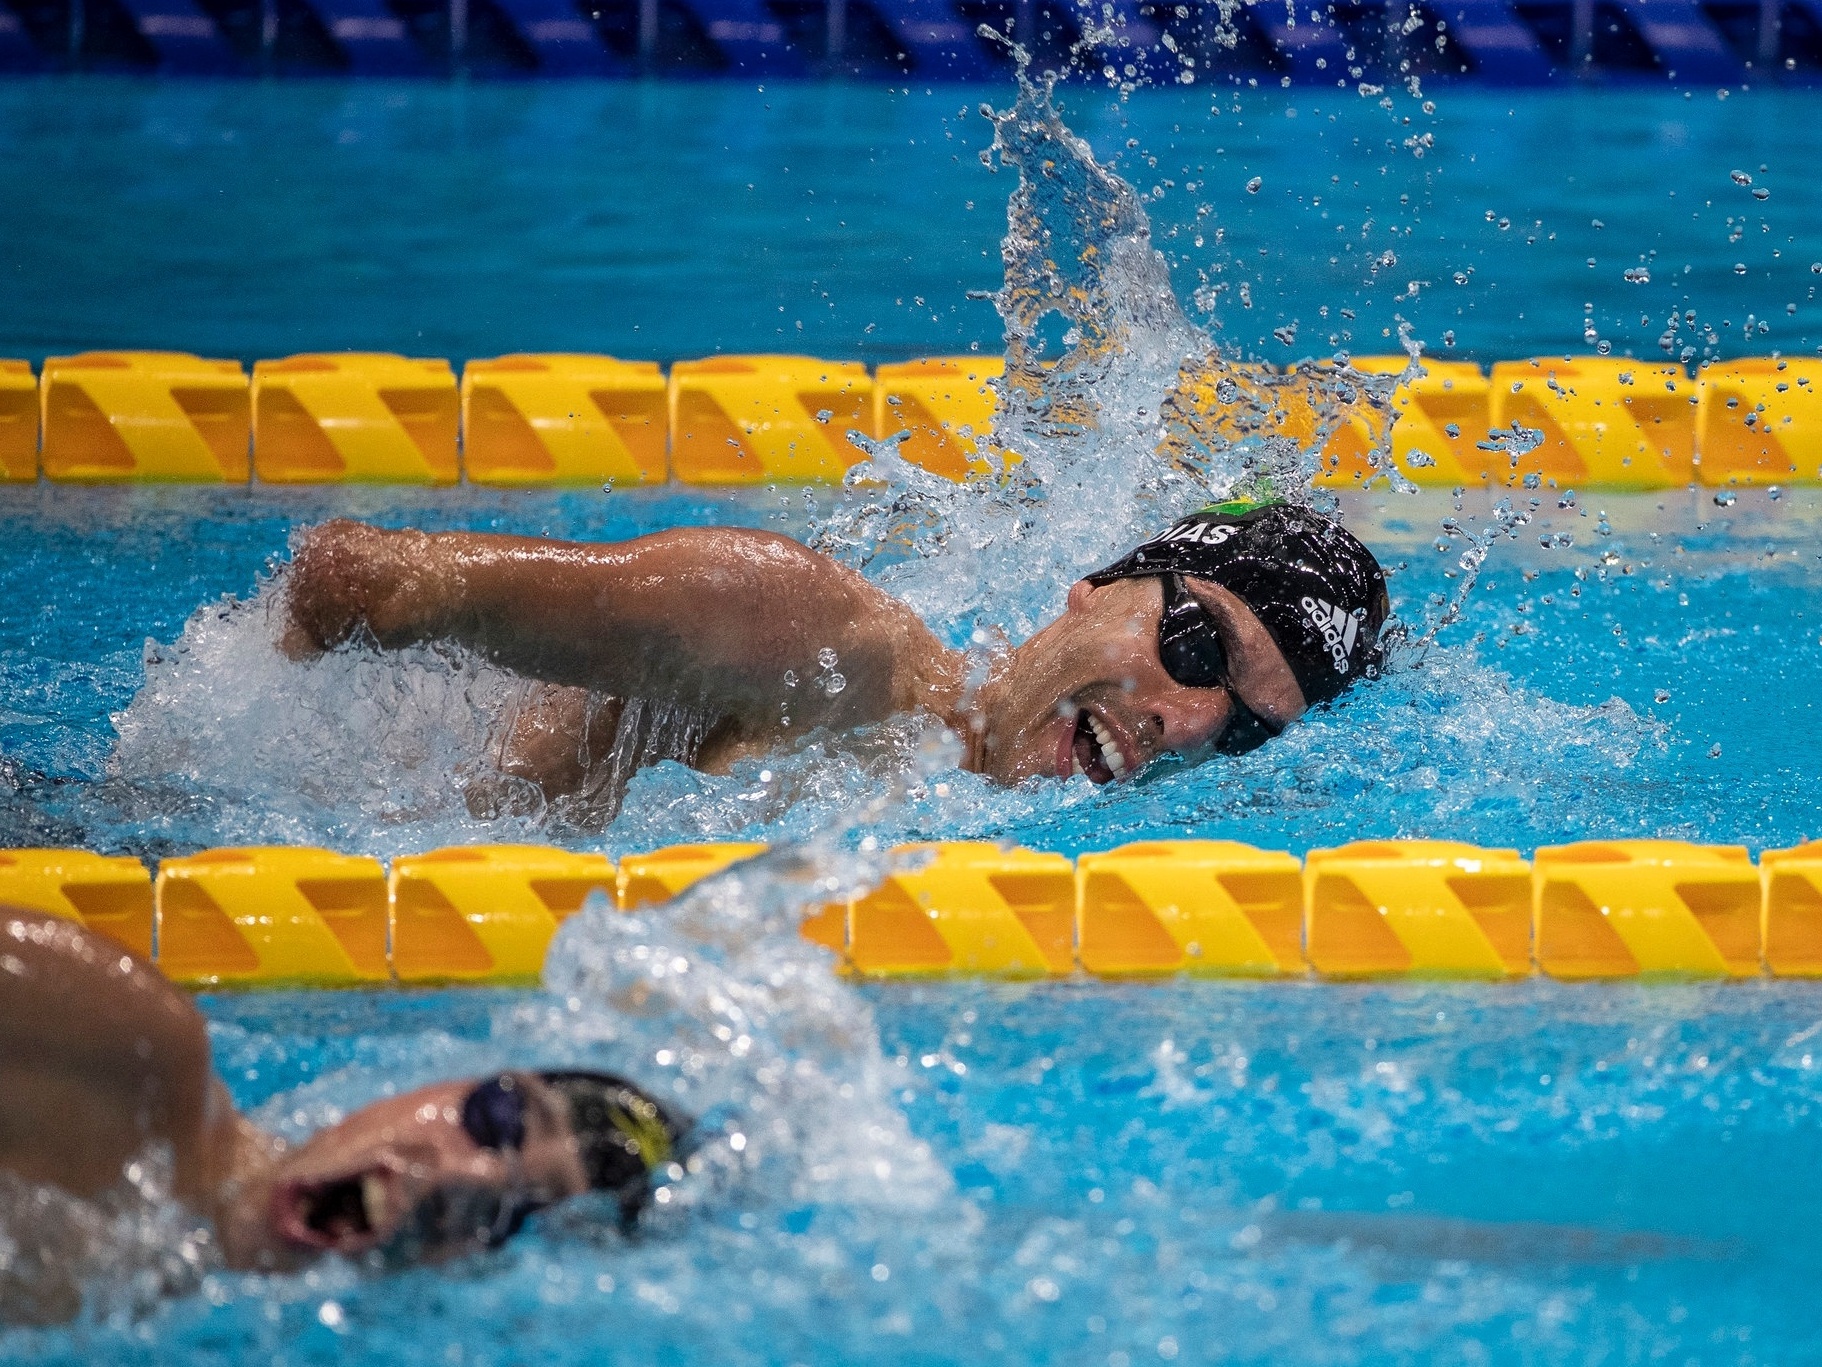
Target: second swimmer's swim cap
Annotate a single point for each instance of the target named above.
(1319, 592)
(622, 1135)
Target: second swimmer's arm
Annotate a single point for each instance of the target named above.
(714, 617)
(100, 1056)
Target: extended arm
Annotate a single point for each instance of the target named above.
(100, 1055)
(711, 617)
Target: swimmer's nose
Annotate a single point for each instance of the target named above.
(1191, 717)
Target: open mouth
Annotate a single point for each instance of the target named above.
(347, 1213)
(1095, 752)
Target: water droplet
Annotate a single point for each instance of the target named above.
(827, 658)
(1739, 178)
(1714, 751)
(790, 678)
(1661, 696)
(1252, 186)
(1739, 268)
(1724, 498)
(1638, 275)
(834, 684)
(824, 414)
(1761, 193)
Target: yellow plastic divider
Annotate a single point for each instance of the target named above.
(486, 913)
(18, 421)
(647, 879)
(757, 419)
(1621, 908)
(1600, 909)
(1433, 908)
(361, 417)
(111, 894)
(975, 908)
(945, 403)
(564, 419)
(547, 419)
(1792, 925)
(1759, 421)
(1234, 400)
(266, 915)
(1620, 424)
(1204, 907)
(144, 415)
(1437, 419)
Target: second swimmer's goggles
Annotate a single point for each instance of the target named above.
(1190, 648)
(622, 1136)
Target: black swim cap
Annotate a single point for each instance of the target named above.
(1317, 589)
(622, 1135)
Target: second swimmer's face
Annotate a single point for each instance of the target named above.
(405, 1176)
(1088, 694)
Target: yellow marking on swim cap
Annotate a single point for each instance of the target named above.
(645, 1130)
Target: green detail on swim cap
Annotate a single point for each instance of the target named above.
(1237, 507)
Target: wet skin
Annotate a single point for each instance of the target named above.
(100, 1057)
(719, 618)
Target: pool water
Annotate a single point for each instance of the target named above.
(1249, 1173)
(1535, 719)
(1065, 1172)
(665, 220)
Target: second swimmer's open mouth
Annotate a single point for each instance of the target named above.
(1097, 754)
(344, 1212)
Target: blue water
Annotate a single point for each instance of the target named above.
(1069, 1172)
(1248, 1173)
(667, 220)
(1536, 719)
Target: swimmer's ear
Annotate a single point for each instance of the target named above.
(1078, 595)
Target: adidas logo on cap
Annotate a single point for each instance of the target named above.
(1340, 630)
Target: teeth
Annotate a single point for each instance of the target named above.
(1076, 765)
(373, 1198)
(1110, 752)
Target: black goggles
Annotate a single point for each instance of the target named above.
(1189, 645)
(493, 1115)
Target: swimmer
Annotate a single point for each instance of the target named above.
(1211, 637)
(101, 1058)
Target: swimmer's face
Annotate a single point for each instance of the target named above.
(1088, 694)
(403, 1176)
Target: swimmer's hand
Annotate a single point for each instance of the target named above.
(346, 578)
